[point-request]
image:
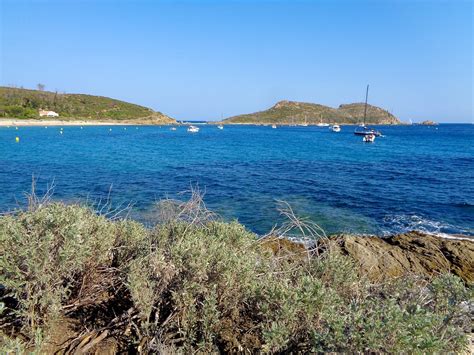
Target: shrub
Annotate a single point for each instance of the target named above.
(192, 284)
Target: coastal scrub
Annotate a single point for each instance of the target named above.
(74, 280)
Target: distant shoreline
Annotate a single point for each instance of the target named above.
(47, 122)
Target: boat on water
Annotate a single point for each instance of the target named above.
(173, 128)
(369, 138)
(335, 128)
(193, 129)
(363, 130)
(274, 126)
(305, 123)
(220, 127)
(321, 124)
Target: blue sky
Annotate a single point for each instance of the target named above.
(200, 59)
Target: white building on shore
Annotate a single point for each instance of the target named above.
(46, 113)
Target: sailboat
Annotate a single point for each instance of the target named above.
(321, 124)
(220, 126)
(364, 130)
(305, 123)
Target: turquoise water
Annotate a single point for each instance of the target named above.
(416, 177)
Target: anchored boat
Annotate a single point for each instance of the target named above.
(369, 138)
(193, 129)
(363, 130)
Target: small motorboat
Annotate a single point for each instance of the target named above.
(274, 126)
(193, 129)
(369, 138)
(220, 127)
(173, 128)
(335, 128)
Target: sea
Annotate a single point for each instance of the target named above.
(413, 178)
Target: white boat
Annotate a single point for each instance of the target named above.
(321, 124)
(173, 128)
(335, 128)
(193, 129)
(369, 138)
(220, 126)
(274, 126)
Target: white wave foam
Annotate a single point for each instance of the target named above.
(406, 223)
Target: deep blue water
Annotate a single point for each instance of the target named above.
(416, 177)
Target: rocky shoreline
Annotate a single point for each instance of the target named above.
(378, 258)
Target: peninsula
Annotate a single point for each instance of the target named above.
(32, 107)
(293, 112)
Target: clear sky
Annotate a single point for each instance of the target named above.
(200, 59)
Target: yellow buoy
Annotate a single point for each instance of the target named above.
(17, 139)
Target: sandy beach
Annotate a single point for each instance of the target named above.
(32, 122)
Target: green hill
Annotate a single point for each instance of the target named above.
(292, 112)
(23, 103)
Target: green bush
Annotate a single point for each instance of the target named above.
(19, 112)
(208, 287)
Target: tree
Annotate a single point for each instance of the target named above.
(40, 87)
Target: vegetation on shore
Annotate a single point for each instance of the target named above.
(292, 112)
(74, 280)
(428, 123)
(23, 103)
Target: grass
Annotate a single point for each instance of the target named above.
(74, 280)
(22, 103)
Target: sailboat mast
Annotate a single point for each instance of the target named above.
(365, 108)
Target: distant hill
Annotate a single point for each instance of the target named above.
(23, 103)
(289, 112)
